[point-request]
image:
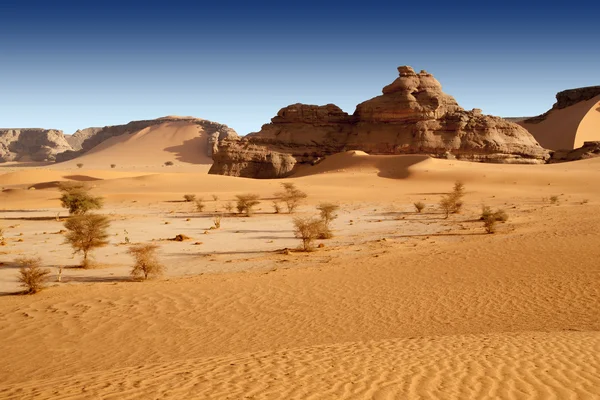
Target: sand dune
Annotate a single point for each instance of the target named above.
(397, 305)
(568, 128)
(179, 142)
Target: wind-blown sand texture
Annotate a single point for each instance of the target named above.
(398, 305)
(568, 128)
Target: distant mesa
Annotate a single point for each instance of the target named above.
(412, 116)
(573, 120)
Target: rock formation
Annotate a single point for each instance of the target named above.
(89, 138)
(31, 144)
(412, 116)
(573, 120)
(588, 150)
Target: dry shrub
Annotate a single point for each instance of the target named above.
(113, 165)
(79, 165)
(554, 199)
(168, 163)
(87, 232)
(31, 274)
(246, 203)
(228, 207)
(146, 261)
(291, 196)
(215, 197)
(308, 229)
(217, 221)
(419, 206)
(76, 198)
(199, 204)
(490, 219)
(327, 211)
(276, 207)
(452, 202)
(189, 197)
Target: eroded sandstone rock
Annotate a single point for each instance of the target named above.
(412, 116)
(31, 144)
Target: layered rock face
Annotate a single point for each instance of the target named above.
(31, 144)
(588, 150)
(412, 116)
(89, 138)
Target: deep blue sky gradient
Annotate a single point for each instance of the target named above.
(68, 65)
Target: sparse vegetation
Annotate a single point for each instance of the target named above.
(228, 207)
(189, 197)
(32, 276)
(77, 199)
(419, 206)
(328, 212)
(554, 200)
(291, 196)
(79, 165)
(490, 218)
(217, 221)
(146, 261)
(199, 204)
(452, 202)
(276, 207)
(113, 165)
(246, 203)
(168, 163)
(86, 233)
(215, 197)
(308, 229)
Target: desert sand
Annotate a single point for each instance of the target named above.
(568, 128)
(398, 305)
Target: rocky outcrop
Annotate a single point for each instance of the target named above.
(412, 116)
(81, 135)
(565, 99)
(94, 136)
(588, 150)
(31, 144)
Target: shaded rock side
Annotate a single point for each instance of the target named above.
(412, 116)
(31, 144)
(76, 139)
(92, 137)
(588, 150)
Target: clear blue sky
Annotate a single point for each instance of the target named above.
(71, 65)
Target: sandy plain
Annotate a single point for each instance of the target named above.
(396, 305)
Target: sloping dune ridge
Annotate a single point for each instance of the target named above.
(452, 314)
(175, 141)
(568, 128)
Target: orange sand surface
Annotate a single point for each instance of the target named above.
(398, 305)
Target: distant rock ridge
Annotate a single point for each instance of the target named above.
(412, 116)
(588, 150)
(31, 144)
(89, 138)
(565, 99)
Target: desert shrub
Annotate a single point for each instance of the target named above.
(86, 233)
(146, 261)
(327, 212)
(168, 163)
(77, 199)
(308, 229)
(419, 206)
(452, 202)
(228, 207)
(31, 274)
(490, 219)
(189, 197)
(215, 197)
(79, 165)
(276, 207)
(554, 199)
(199, 205)
(291, 196)
(246, 203)
(217, 221)
(113, 165)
